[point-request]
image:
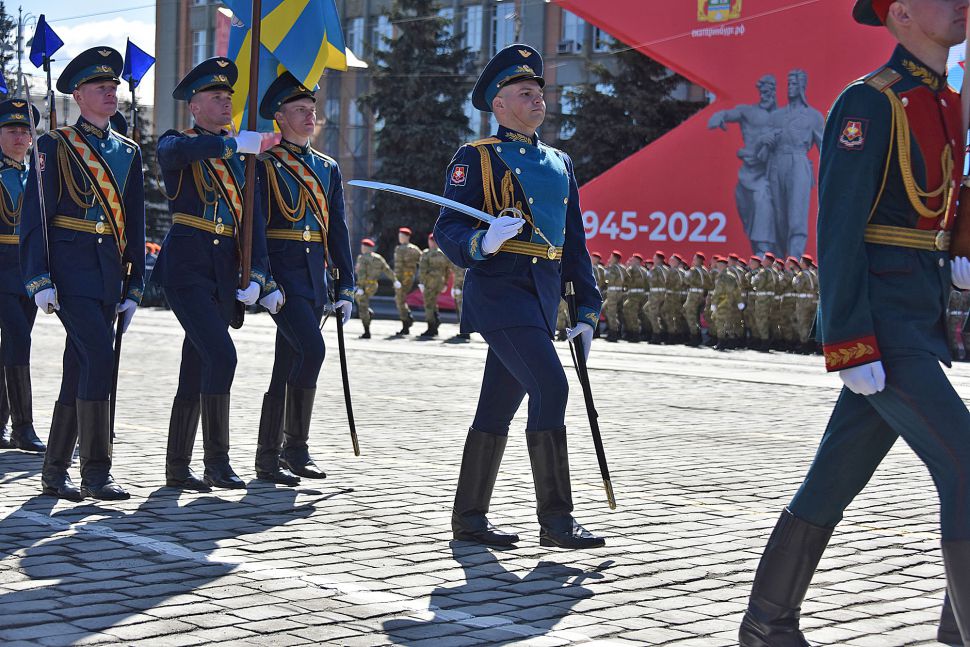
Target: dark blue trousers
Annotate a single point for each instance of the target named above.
(299, 346)
(521, 361)
(208, 354)
(918, 404)
(70, 374)
(91, 341)
(17, 314)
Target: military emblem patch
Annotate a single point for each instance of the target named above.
(459, 175)
(853, 136)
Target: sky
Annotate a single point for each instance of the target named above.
(82, 25)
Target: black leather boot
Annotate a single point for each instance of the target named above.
(54, 478)
(554, 495)
(268, 444)
(406, 326)
(948, 632)
(956, 558)
(296, 432)
(22, 435)
(479, 468)
(215, 443)
(561, 335)
(786, 569)
(94, 445)
(366, 334)
(182, 427)
(4, 413)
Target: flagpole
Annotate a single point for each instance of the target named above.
(52, 109)
(134, 112)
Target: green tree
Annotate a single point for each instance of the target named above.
(8, 47)
(621, 112)
(417, 95)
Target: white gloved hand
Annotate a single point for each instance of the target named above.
(359, 292)
(421, 287)
(249, 295)
(585, 332)
(502, 229)
(273, 301)
(960, 270)
(713, 309)
(344, 307)
(740, 306)
(866, 379)
(46, 300)
(397, 285)
(455, 292)
(248, 141)
(126, 310)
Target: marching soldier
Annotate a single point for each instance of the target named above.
(17, 310)
(516, 270)
(406, 258)
(615, 281)
(433, 270)
(599, 272)
(636, 297)
(956, 316)
(199, 265)
(673, 307)
(727, 302)
(95, 218)
(763, 301)
(695, 280)
(369, 267)
(457, 290)
(883, 240)
(709, 307)
(655, 302)
(562, 320)
(805, 292)
(306, 235)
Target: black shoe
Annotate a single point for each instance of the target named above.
(464, 336)
(296, 433)
(786, 569)
(405, 326)
(280, 477)
(269, 443)
(106, 491)
(948, 632)
(60, 450)
(612, 337)
(94, 447)
(554, 496)
(479, 468)
(428, 333)
(561, 335)
(182, 427)
(215, 443)
(22, 435)
(366, 335)
(956, 559)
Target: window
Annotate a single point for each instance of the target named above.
(573, 30)
(473, 28)
(567, 106)
(602, 42)
(383, 32)
(504, 21)
(199, 50)
(356, 128)
(355, 35)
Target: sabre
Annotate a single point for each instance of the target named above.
(433, 199)
(344, 377)
(35, 154)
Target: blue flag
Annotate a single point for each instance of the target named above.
(44, 43)
(3, 85)
(137, 64)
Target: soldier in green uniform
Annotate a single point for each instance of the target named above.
(406, 258)
(433, 270)
(727, 298)
(615, 282)
(744, 316)
(763, 303)
(673, 307)
(636, 296)
(709, 281)
(599, 273)
(658, 294)
(696, 280)
(805, 292)
(369, 267)
(457, 290)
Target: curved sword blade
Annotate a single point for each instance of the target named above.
(427, 197)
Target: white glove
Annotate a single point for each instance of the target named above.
(397, 285)
(585, 332)
(126, 310)
(273, 301)
(249, 295)
(46, 300)
(960, 270)
(740, 306)
(345, 307)
(866, 379)
(455, 292)
(713, 309)
(359, 292)
(248, 141)
(421, 287)
(501, 229)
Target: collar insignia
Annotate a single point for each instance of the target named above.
(92, 129)
(925, 75)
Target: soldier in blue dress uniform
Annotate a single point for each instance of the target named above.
(17, 310)
(306, 233)
(95, 215)
(892, 159)
(199, 264)
(517, 271)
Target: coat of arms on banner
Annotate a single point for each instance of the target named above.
(718, 10)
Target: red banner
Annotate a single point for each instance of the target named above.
(740, 175)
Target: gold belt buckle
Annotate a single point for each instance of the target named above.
(551, 253)
(938, 241)
(99, 228)
(220, 228)
(306, 235)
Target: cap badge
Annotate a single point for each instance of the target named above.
(524, 53)
(19, 104)
(104, 52)
(222, 63)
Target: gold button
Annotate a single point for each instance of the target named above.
(534, 260)
(905, 102)
(306, 235)
(220, 228)
(565, 200)
(278, 165)
(99, 228)
(307, 227)
(518, 171)
(99, 241)
(215, 241)
(218, 219)
(326, 165)
(563, 232)
(498, 149)
(307, 250)
(127, 150)
(242, 157)
(530, 200)
(522, 151)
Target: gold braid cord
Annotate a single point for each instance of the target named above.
(494, 205)
(203, 187)
(292, 214)
(10, 217)
(77, 194)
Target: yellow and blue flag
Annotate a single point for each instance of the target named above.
(289, 33)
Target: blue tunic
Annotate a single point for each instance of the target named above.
(13, 176)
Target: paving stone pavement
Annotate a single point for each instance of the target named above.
(705, 449)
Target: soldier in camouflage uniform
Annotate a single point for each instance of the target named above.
(615, 283)
(369, 267)
(956, 315)
(744, 319)
(709, 300)
(636, 296)
(696, 281)
(457, 289)
(786, 319)
(658, 294)
(673, 308)
(406, 259)
(762, 304)
(599, 273)
(433, 270)
(727, 298)
(805, 288)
